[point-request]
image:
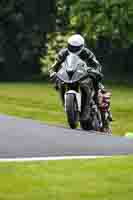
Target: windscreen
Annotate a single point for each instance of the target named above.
(73, 69)
(73, 61)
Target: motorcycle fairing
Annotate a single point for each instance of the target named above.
(73, 69)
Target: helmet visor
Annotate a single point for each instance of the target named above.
(74, 49)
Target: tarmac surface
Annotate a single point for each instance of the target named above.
(25, 138)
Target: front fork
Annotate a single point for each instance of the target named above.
(76, 93)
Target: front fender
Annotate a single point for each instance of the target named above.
(78, 98)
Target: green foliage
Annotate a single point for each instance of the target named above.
(23, 28)
(112, 18)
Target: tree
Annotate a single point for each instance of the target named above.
(23, 28)
(106, 25)
(112, 18)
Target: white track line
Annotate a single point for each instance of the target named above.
(49, 158)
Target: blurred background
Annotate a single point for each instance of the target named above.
(23, 30)
(32, 32)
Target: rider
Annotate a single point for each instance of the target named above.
(76, 45)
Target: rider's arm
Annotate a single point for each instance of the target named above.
(59, 59)
(92, 61)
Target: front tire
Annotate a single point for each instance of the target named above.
(72, 110)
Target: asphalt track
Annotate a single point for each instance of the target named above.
(25, 138)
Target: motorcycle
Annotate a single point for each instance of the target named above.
(70, 77)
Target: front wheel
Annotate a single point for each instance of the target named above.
(72, 110)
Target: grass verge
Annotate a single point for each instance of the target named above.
(100, 179)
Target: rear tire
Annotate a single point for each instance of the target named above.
(72, 111)
(92, 123)
(86, 125)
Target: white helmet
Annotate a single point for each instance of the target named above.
(76, 43)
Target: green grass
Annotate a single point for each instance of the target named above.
(42, 102)
(101, 179)
(122, 109)
(35, 101)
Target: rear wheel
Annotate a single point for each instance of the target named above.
(93, 121)
(86, 125)
(72, 110)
